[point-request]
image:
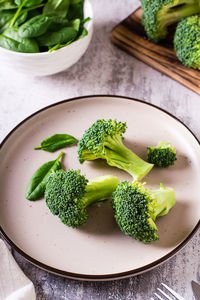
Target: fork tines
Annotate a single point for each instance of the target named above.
(167, 296)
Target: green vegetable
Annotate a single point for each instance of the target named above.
(7, 4)
(35, 27)
(69, 193)
(36, 187)
(56, 142)
(104, 140)
(56, 8)
(83, 33)
(57, 23)
(11, 40)
(42, 25)
(162, 155)
(75, 24)
(73, 2)
(187, 41)
(21, 4)
(63, 35)
(28, 3)
(159, 14)
(75, 11)
(7, 15)
(136, 208)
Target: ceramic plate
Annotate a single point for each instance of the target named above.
(98, 250)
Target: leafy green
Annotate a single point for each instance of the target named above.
(40, 25)
(56, 8)
(75, 11)
(11, 40)
(63, 35)
(73, 2)
(5, 17)
(7, 4)
(56, 142)
(83, 33)
(35, 27)
(21, 4)
(27, 3)
(36, 187)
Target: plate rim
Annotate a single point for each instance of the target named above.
(104, 277)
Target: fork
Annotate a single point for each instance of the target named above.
(167, 296)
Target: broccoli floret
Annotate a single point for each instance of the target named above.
(69, 193)
(136, 208)
(104, 140)
(187, 41)
(162, 155)
(159, 14)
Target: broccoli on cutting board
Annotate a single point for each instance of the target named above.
(136, 208)
(68, 194)
(163, 155)
(187, 41)
(104, 140)
(159, 14)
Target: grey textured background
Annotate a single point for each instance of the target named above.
(104, 69)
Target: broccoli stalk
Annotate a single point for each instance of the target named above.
(69, 193)
(99, 189)
(104, 140)
(118, 155)
(136, 208)
(159, 14)
(163, 155)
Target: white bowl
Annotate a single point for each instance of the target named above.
(47, 63)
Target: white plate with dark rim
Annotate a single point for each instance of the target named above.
(98, 250)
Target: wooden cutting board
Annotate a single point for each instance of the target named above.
(130, 36)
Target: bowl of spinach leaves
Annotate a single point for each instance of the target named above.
(44, 37)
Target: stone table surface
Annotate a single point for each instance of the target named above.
(105, 69)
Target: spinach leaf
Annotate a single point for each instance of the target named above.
(36, 187)
(83, 33)
(7, 4)
(75, 1)
(11, 40)
(75, 11)
(56, 8)
(75, 24)
(58, 46)
(5, 17)
(63, 35)
(27, 3)
(56, 141)
(35, 27)
(22, 18)
(57, 23)
(21, 4)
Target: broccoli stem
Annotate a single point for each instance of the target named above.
(174, 14)
(118, 155)
(99, 189)
(164, 199)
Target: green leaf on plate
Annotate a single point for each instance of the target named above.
(56, 142)
(37, 184)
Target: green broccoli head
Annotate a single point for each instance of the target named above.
(136, 208)
(187, 41)
(104, 140)
(69, 193)
(159, 14)
(92, 144)
(162, 155)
